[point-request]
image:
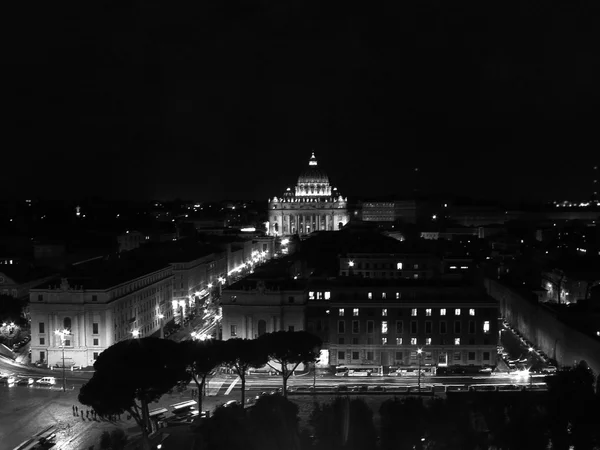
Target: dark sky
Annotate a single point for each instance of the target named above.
(211, 99)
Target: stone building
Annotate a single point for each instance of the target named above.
(313, 205)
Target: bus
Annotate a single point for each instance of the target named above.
(358, 370)
(413, 371)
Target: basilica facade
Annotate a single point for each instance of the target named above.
(313, 205)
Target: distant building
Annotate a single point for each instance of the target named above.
(313, 205)
(131, 240)
(255, 307)
(390, 265)
(389, 211)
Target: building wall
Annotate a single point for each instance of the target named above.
(390, 266)
(540, 325)
(243, 310)
(118, 311)
(368, 327)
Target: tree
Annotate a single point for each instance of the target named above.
(201, 358)
(240, 355)
(274, 423)
(227, 429)
(410, 413)
(344, 424)
(289, 349)
(115, 440)
(131, 374)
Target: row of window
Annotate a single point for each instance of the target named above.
(414, 341)
(67, 326)
(67, 341)
(399, 356)
(414, 327)
(366, 265)
(413, 312)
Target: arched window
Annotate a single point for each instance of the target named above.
(262, 327)
(340, 225)
(67, 323)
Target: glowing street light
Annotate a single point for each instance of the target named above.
(63, 334)
(350, 263)
(209, 285)
(221, 280)
(136, 333)
(419, 352)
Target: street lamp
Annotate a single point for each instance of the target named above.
(530, 366)
(162, 325)
(63, 334)
(135, 333)
(419, 353)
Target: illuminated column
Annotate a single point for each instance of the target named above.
(289, 224)
(327, 222)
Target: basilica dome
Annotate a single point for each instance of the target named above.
(313, 175)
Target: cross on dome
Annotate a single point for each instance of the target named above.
(313, 160)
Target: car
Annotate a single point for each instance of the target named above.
(230, 403)
(486, 370)
(24, 381)
(47, 381)
(549, 369)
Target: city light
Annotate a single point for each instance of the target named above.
(209, 285)
(350, 263)
(135, 333)
(221, 280)
(248, 230)
(161, 316)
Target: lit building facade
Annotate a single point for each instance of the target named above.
(313, 205)
(390, 265)
(254, 307)
(383, 323)
(96, 316)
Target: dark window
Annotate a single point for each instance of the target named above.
(471, 327)
(457, 327)
(457, 356)
(341, 341)
(443, 327)
(341, 356)
(370, 356)
(96, 341)
(355, 326)
(291, 328)
(369, 340)
(42, 356)
(355, 355)
(94, 328)
(42, 341)
(233, 331)
(414, 327)
(42, 328)
(471, 341)
(428, 326)
(291, 299)
(399, 327)
(95, 355)
(40, 299)
(486, 342)
(94, 298)
(354, 341)
(67, 342)
(399, 356)
(262, 327)
(341, 326)
(67, 323)
(370, 326)
(471, 356)
(486, 356)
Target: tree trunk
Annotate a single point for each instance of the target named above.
(201, 393)
(242, 376)
(285, 378)
(147, 427)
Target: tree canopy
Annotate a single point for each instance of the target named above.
(240, 355)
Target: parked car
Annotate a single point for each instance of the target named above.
(549, 369)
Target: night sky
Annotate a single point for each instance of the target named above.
(211, 99)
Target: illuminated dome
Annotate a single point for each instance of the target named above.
(313, 174)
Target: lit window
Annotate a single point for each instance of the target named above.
(413, 341)
(413, 312)
(311, 295)
(397, 295)
(327, 295)
(383, 341)
(443, 312)
(341, 313)
(355, 312)
(486, 326)
(457, 312)
(384, 327)
(471, 312)
(427, 341)
(370, 295)
(399, 266)
(384, 312)
(398, 341)
(456, 341)
(415, 276)
(383, 295)
(319, 296)
(428, 312)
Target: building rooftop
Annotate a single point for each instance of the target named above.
(104, 273)
(23, 273)
(270, 284)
